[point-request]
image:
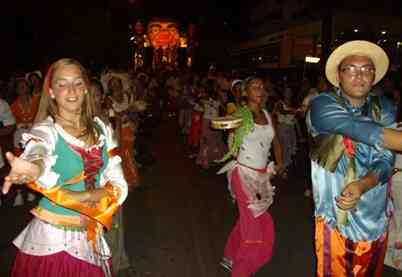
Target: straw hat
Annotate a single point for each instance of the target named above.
(359, 48)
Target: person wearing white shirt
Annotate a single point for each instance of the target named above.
(7, 124)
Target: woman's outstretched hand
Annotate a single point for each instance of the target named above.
(22, 172)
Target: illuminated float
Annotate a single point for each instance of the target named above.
(169, 47)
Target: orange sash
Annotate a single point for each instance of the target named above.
(102, 212)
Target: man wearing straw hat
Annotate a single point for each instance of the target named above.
(350, 165)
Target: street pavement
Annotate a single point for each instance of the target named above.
(177, 222)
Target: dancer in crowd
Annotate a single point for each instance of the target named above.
(98, 92)
(393, 255)
(118, 101)
(350, 167)
(251, 241)
(70, 158)
(272, 95)
(302, 112)
(35, 79)
(285, 114)
(24, 110)
(212, 147)
(305, 105)
(194, 136)
(115, 235)
(174, 89)
(7, 127)
(185, 104)
(234, 102)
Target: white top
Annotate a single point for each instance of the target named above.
(7, 118)
(255, 149)
(398, 164)
(289, 119)
(254, 154)
(211, 109)
(397, 177)
(120, 107)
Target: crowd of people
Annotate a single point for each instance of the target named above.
(345, 122)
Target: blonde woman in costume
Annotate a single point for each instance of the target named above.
(70, 158)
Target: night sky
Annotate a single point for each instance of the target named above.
(36, 33)
(97, 31)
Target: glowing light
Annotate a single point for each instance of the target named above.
(356, 30)
(310, 59)
(383, 32)
(189, 61)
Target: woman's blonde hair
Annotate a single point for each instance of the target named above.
(48, 106)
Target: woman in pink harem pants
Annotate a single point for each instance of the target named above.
(251, 241)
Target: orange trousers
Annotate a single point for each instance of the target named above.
(338, 256)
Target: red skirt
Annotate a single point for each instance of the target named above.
(56, 265)
(195, 130)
